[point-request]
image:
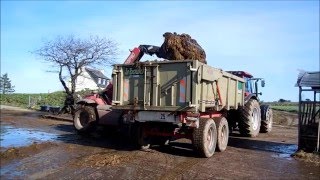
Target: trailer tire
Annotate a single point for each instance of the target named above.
(250, 119)
(222, 133)
(205, 137)
(266, 119)
(84, 119)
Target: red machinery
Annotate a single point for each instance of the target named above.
(101, 101)
(137, 53)
(251, 84)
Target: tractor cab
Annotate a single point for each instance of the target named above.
(251, 84)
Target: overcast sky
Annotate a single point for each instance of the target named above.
(270, 39)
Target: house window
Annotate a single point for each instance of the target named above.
(99, 80)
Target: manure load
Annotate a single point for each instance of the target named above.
(181, 47)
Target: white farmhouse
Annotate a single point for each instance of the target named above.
(91, 79)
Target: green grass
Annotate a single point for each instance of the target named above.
(287, 108)
(284, 106)
(22, 99)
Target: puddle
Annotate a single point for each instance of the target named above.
(16, 137)
(283, 151)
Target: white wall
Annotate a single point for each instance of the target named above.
(84, 81)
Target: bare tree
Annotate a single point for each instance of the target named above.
(69, 54)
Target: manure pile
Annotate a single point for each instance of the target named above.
(181, 47)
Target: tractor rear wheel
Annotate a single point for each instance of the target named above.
(250, 119)
(205, 137)
(266, 119)
(84, 119)
(222, 133)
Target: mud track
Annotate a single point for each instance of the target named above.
(108, 154)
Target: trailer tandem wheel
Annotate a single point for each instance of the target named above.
(205, 137)
(222, 133)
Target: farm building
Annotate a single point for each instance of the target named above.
(92, 79)
(309, 111)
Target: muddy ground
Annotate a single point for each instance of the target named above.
(33, 147)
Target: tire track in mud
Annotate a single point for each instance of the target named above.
(161, 165)
(145, 165)
(180, 169)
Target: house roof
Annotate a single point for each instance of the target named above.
(96, 73)
(309, 79)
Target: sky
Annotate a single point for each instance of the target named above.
(269, 39)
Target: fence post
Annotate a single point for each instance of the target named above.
(299, 116)
(29, 105)
(315, 100)
(318, 137)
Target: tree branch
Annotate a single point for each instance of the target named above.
(75, 53)
(62, 81)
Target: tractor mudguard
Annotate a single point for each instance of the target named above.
(86, 101)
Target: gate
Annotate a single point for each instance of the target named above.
(309, 112)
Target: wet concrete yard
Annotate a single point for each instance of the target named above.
(33, 147)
